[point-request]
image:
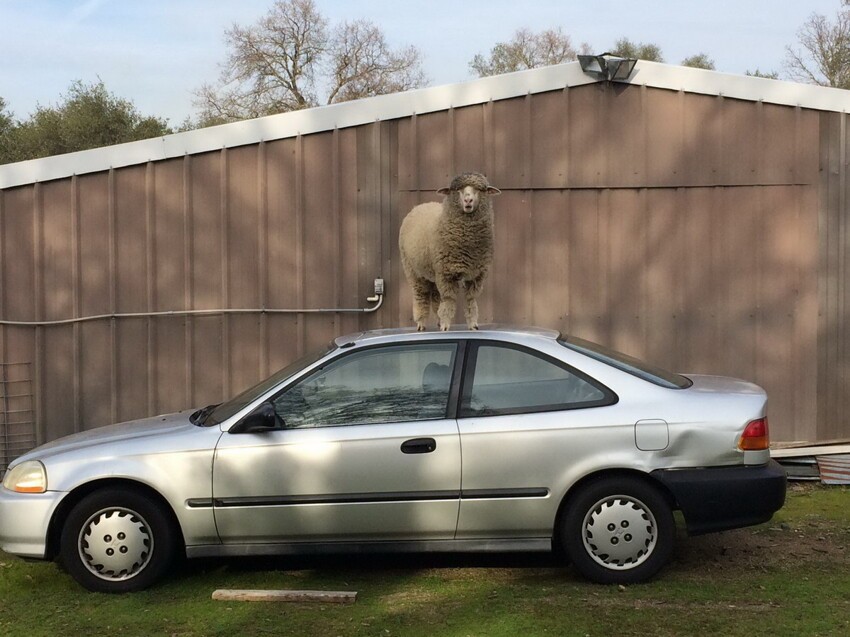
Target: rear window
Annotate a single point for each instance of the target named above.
(626, 363)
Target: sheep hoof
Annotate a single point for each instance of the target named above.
(473, 327)
(420, 328)
(444, 328)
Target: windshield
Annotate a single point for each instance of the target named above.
(227, 409)
(626, 363)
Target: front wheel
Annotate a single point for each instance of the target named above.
(618, 530)
(117, 541)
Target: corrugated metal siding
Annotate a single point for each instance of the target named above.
(677, 227)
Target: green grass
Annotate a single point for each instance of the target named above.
(788, 577)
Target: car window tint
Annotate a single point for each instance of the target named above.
(508, 381)
(382, 385)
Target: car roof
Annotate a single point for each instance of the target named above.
(455, 331)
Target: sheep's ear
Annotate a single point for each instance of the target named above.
(493, 191)
(444, 191)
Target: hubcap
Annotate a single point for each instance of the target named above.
(115, 544)
(619, 532)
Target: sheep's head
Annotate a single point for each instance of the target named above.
(469, 188)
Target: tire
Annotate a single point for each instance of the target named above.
(618, 530)
(117, 541)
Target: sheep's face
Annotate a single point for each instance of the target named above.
(468, 194)
(469, 198)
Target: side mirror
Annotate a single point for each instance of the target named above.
(261, 419)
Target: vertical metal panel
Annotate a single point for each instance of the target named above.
(586, 265)
(550, 255)
(168, 286)
(621, 121)
(205, 175)
(349, 255)
(369, 217)
(702, 139)
(283, 282)
(828, 283)
(242, 266)
(433, 150)
(55, 297)
(626, 272)
(666, 254)
(318, 238)
(663, 155)
(549, 138)
(17, 236)
(468, 140)
(511, 142)
(741, 136)
(131, 265)
(509, 282)
(95, 365)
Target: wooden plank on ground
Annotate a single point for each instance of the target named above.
(323, 597)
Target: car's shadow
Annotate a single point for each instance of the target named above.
(376, 562)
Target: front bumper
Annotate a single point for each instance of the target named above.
(24, 520)
(722, 498)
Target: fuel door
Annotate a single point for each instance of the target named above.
(651, 435)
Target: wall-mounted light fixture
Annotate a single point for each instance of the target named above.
(606, 66)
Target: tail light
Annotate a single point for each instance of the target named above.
(755, 436)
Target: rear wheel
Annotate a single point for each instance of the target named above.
(618, 530)
(117, 541)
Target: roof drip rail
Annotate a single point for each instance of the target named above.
(377, 299)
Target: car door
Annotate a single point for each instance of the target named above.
(365, 452)
(523, 417)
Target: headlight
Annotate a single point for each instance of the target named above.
(27, 477)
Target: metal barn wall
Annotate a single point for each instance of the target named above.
(676, 227)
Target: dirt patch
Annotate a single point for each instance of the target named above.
(775, 545)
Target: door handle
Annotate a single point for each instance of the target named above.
(419, 445)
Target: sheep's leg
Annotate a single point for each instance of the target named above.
(434, 299)
(421, 302)
(473, 289)
(448, 289)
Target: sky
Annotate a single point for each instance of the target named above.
(155, 53)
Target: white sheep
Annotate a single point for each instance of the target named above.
(448, 247)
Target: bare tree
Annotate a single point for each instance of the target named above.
(527, 50)
(362, 64)
(279, 63)
(823, 56)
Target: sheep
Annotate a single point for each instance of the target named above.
(448, 247)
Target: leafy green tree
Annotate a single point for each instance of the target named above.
(625, 48)
(770, 75)
(699, 61)
(88, 116)
(527, 50)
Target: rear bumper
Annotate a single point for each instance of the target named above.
(722, 498)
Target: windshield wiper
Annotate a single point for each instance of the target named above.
(200, 416)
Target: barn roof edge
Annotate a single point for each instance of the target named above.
(420, 101)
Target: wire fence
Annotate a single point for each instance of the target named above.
(17, 414)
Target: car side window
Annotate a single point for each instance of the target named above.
(511, 380)
(373, 386)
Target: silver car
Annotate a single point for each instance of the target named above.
(502, 439)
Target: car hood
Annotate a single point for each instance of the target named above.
(162, 425)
